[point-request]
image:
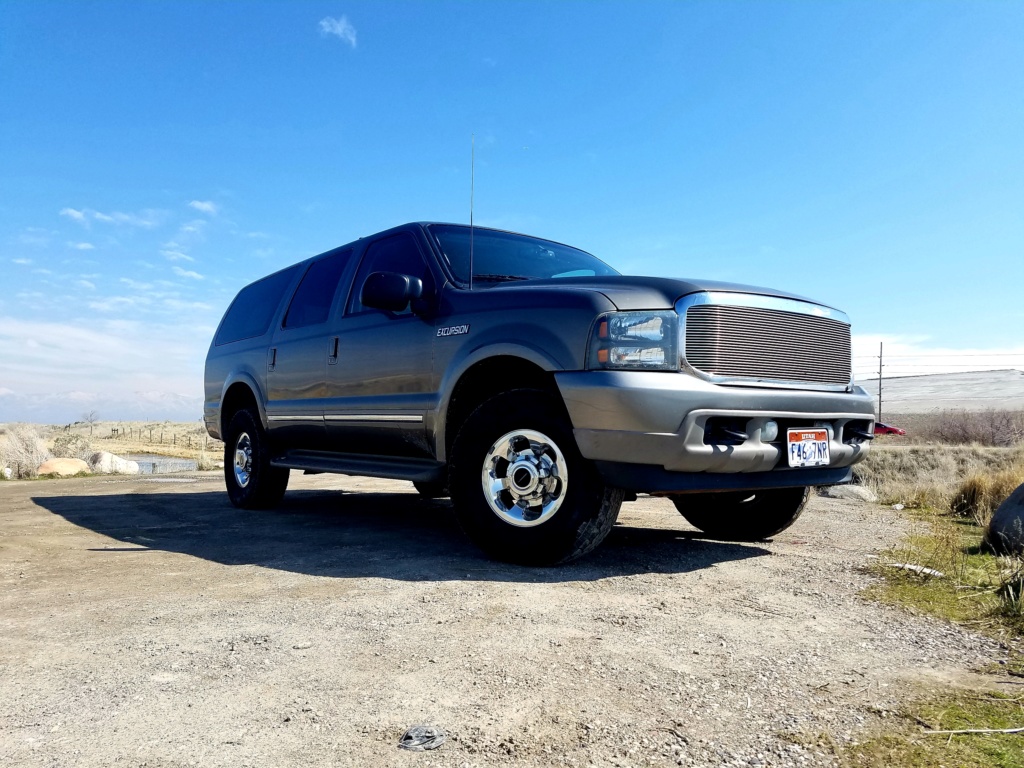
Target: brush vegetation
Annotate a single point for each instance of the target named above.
(952, 486)
(907, 743)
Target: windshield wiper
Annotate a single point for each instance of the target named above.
(499, 278)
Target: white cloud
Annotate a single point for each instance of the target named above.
(147, 218)
(341, 28)
(135, 284)
(42, 271)
(126, 370)
(205, 206)
(186, 273)
(113, 303)
(82, 246)
(178, 305)
(86, 284)
(33, 238)
(177, 256)
(21, 261)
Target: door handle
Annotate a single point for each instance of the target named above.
(271, 358)
(332, 350)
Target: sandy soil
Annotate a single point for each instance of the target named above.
(145, 622)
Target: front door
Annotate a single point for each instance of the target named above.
(382, 384)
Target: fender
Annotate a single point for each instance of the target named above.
(466, 359)
(247, 378)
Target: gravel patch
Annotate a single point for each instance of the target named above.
(154, 625)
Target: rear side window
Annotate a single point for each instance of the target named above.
(253, 308)
(313, 298)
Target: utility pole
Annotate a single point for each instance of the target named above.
(879, 381)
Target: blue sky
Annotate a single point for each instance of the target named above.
(155, 157)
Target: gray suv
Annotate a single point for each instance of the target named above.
(536, 386)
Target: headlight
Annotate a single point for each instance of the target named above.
(645, 341)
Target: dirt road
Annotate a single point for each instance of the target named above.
(145, 622)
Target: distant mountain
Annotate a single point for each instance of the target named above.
(974, 391)
(68, 407)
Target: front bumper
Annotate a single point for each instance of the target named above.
(626, 421)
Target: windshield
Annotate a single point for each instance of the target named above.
(502, 256)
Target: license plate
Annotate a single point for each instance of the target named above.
(808, 447)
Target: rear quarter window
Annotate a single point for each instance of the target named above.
(253, 308)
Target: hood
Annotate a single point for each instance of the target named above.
(628, 292)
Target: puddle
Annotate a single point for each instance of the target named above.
(152, 464)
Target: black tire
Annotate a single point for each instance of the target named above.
(429, 490)
(257, 485)
(584, 507)
(743, 515)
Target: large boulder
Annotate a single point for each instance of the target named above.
(857, 492)
(1005, 533)
(109, 464)
(62, 467)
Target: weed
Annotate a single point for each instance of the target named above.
(908, 744)
(921, 477)
(980, 494)
(22, 450)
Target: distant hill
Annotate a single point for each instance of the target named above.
(974, 391)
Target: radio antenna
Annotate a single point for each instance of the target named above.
(472, 183)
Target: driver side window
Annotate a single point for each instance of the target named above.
(394, 254)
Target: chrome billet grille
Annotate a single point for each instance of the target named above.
(759, 343)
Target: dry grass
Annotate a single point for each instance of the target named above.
(186, 440)
(981, 493)
(999, 429)
(22, 449)
(931, 475)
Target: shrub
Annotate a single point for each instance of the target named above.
(936, 475)
(22, 450)
(70, 445)
(957, 427)
(980, 494)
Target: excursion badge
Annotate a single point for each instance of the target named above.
(453, 330)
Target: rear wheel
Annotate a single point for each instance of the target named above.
(743, 515)
(252, 483)
(522, 491)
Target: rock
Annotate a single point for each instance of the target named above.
(857, 492)
(1005, 532)
(109, 464)
(62, 467)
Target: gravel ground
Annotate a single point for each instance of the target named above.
(145, 622)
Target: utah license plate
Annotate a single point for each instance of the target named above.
(808, 447)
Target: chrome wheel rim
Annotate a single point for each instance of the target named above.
(243, 460)
(524, 478)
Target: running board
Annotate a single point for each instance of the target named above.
(395, 468)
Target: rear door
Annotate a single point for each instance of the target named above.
(381, 386)
(298, 356)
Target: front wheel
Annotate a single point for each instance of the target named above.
(742, 515)
(521, 490)
(252, 483)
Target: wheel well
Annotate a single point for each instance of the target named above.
(237, 397)
(488, 378)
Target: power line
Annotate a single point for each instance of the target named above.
(939, 354)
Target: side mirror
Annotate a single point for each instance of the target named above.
(390, 291)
